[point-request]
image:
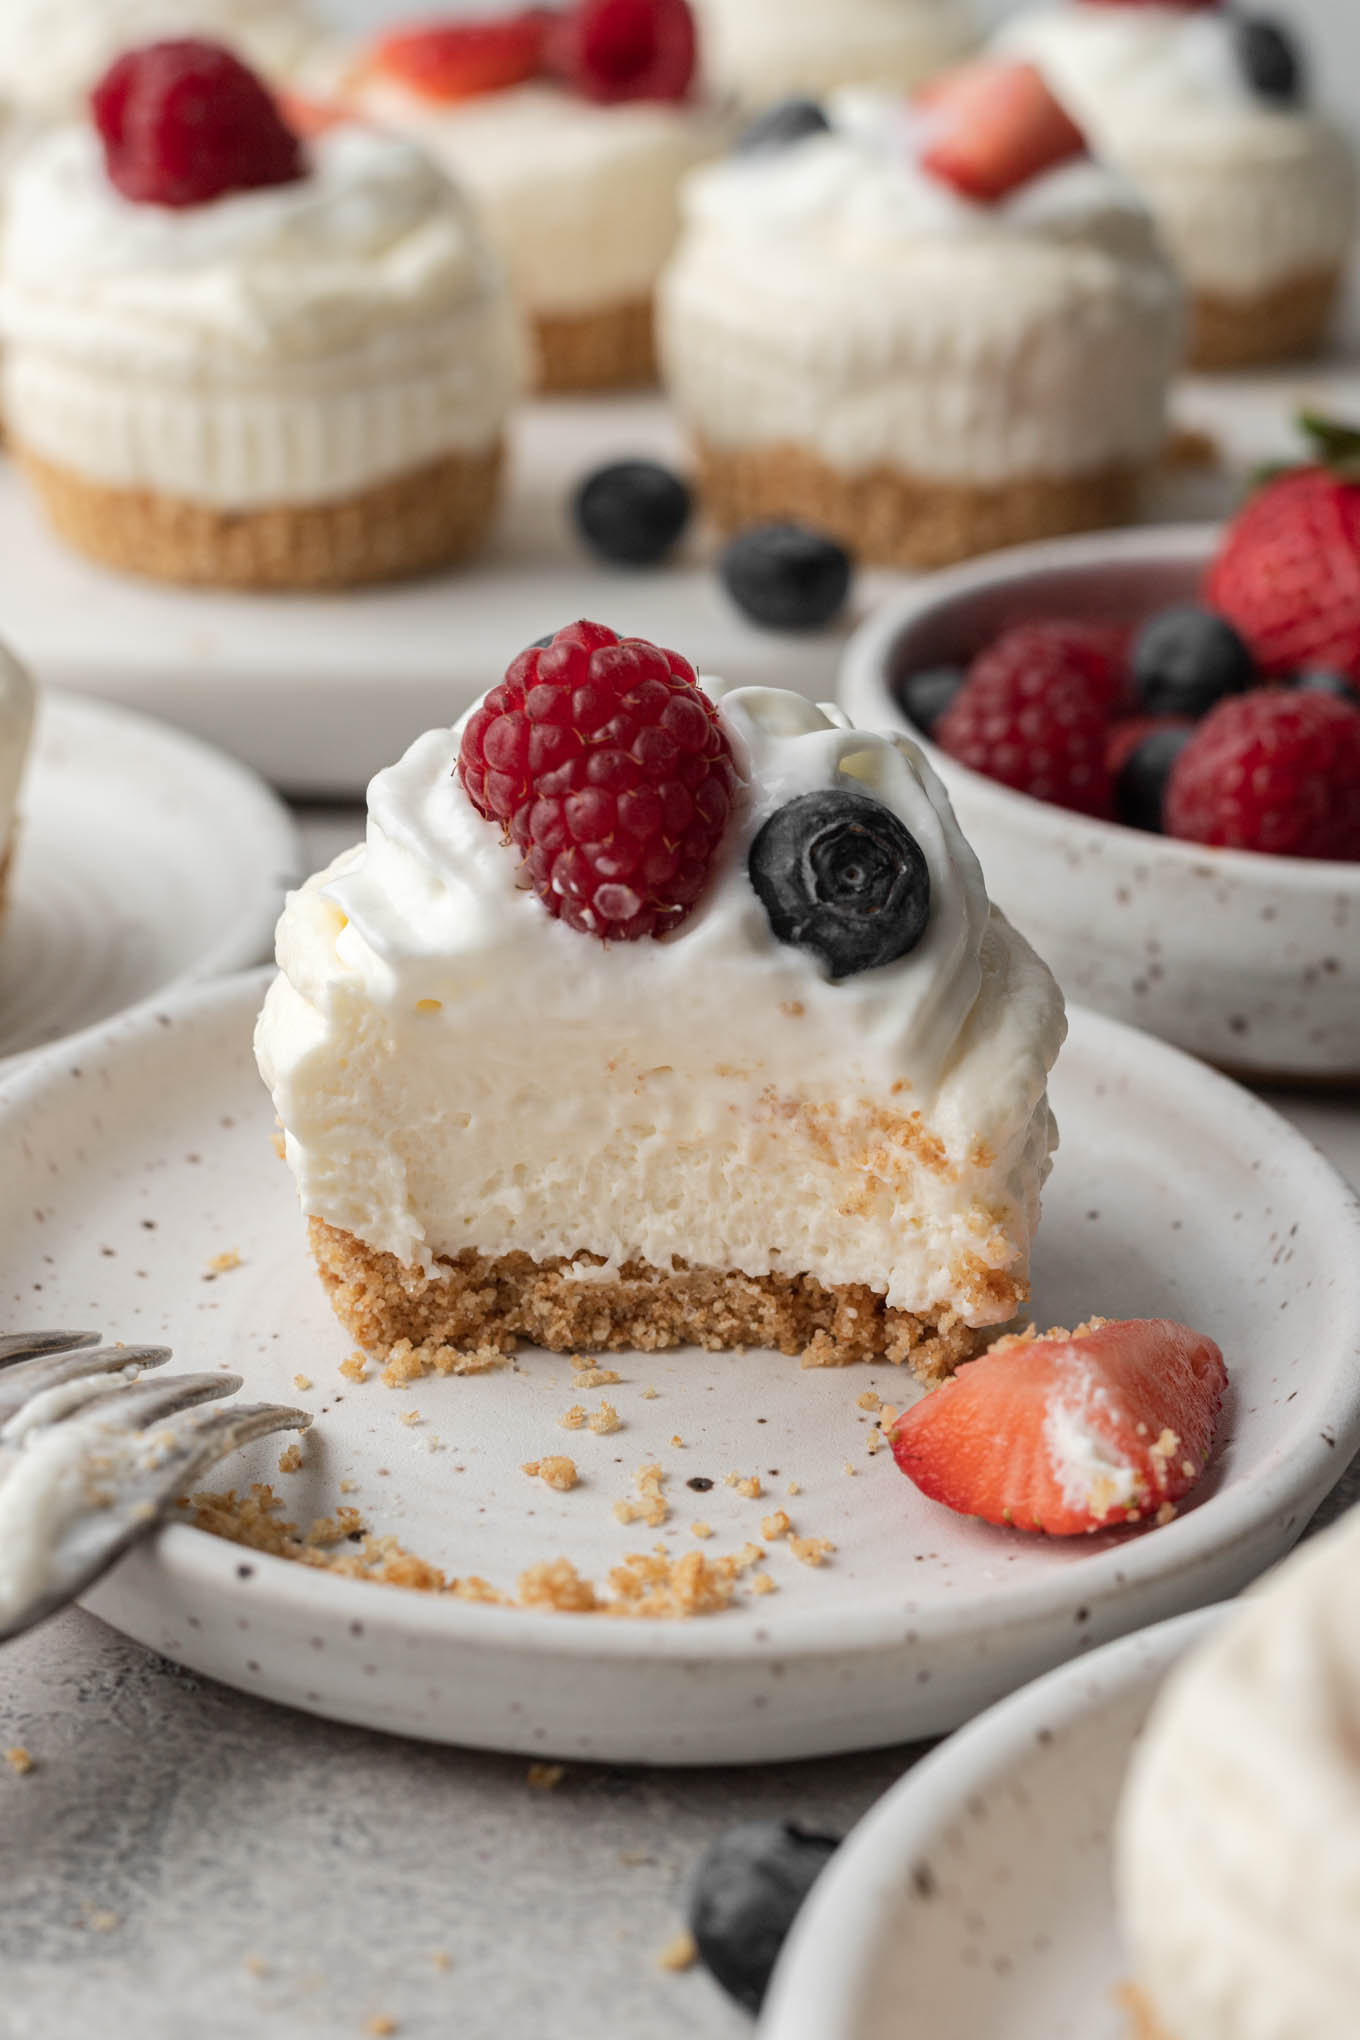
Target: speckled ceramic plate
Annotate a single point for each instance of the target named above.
(975, 1902)
(143, 860)
(1174, 1193)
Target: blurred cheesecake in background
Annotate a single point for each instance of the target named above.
(927, 327)
(52, 52)
(1207, 110)
(762, 50)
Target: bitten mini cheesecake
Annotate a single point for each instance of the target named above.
(644, 1021)
(928, 328)
(1207, 111)
(1238, 1840)
(764, 50)
(572, 132)
(16, 732)
(234, 356)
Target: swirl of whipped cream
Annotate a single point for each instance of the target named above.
(764, 49)
(281, 344)
(715, 1028)
(1238, 1846)
(53, 51)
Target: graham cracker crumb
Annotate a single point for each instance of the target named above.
(651, 1508)
(701, 1529)
(793, 1488)
(661, 1588)
(222, 1264)
(851, 1470)
(776, 1526)
(574, 1418)
(649, 1395)
(545, 1777)
(555, 1583)
(290, 1461)
(407, 1363)
(255, 1965)
(355, 1368)
(442, 1960)
(874, 1442)
(604, 1420)
(302, 1382)
(102, 1921)
(587, 1374)
(747, 1484)
(679, 1953)
(811, 1550)
(678, 1442)
(411, 1417)
(761, 1583)
(870, 1400)
(381, 2026)
(19, 1760)
(556, 1471)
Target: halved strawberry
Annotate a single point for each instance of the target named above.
(1071, 1432)
(450, 60)
(994, 126)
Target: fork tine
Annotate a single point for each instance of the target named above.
(28, 1378)
(16, 1346)
(210, 1435)
(150, 1402)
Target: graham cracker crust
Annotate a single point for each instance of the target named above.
(894, 518)
(610, 350)
(1282, 324)
(475, 1307)
(413, 524)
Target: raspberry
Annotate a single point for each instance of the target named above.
(1034, 710)
(1091, 657)
(184, 122)
(1275, 770)
(611, 772)
(626, 49)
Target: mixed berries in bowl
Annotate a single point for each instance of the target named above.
(1152, 739)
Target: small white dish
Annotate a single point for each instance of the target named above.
(1174, 1193)
(143, 860)
(976, 1900)
(1250, 961)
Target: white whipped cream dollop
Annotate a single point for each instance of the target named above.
(1248, 192)
(1238, 1846)
(455, 1068)
(579, 200)
(766, 49)
(285, 344)
(836, 294)
(53, 51)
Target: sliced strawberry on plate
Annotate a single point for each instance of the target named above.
(1071, 1432)
(993, 126)
(450, 60)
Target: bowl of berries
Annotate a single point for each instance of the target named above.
(1152, 739)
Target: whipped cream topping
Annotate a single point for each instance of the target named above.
(53, 51)
(580, 200)
(1247, 192)
(836, 294)
(289, 343)
(16, 730)
(766, 49)
(454, 1068)
(1238, 1846)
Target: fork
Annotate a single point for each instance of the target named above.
(92, 1458)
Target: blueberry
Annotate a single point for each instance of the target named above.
(924, 696)
(1270, 57)
(1186, 659)
(839, 875)
(1140, 787)
(1319, 680)
(632, 511)
(781, 125)
(744, 1897)
(785, 577)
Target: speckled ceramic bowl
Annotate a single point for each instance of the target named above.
(1250, 961)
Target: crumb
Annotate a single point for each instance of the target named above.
(574, 1418)
(556, 1471)
(874, 1443)
(649, 1395)
(587, 1375)
(355, 1368)
(442, 1960)
(678, 1953)
(302, 1382)
(811, 1550)
(381, 2026)
(701, 1529)
(605, 1419)
(349, 1487)
(761, 1583)
(291, 1460)
(407, 1363)
(870, 1400)
(887, 1417)
(255, 1965)
(851, 1470)
(555, 1583)
(747, 1484)
(20, 1760)
(651, 1508)
(678, 1442)
(794, 1488)
(775, 1526)
(101, 1921)
(546, 1777)
(222, 1264)
(411, 1417)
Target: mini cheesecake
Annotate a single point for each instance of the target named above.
(641, 1022)
(16, 732)
(765, 50)
(1207, 112)
(53, 52)
(927, 328)
(245, 358)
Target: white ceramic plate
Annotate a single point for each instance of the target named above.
(1174, 1193)
(319, 692)
(975, 1902)
(143, 860)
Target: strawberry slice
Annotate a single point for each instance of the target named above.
(1072, 1432)
(993, 126)
(450, 60)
